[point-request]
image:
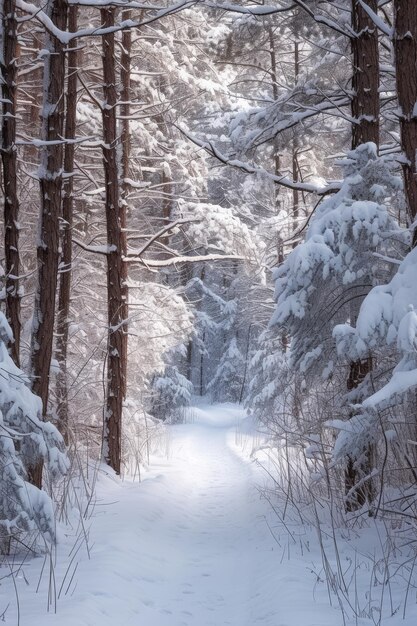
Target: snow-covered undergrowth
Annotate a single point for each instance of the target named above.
(207, 538)
(367, 565)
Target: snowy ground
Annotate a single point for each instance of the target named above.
(188, 546)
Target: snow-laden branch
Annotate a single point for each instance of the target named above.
(65, 37)
(386, 258)
(39, 143)
(136, 256)
(100, 249)
(328, 105)
(265, 10)
(320, 190)
(160, 233)
(226, 6)
(106, 249)
(322, 19)
(125, 4)
(157, 263)
(379, 23)
(32, 11)
(257, 10)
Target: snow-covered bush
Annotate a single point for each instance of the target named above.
(269, 377)
(160, 322)
(25, 440)
(171, 392)
(216, 229)
(227, 382)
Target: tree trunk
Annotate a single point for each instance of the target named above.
(66, 232)
(116, 239)
(357, 469)
(365, 81)
(125, 72)
(31, 87)
(365, 111)
(405, 52)
(9, 162)
(405, 47)
(295, 147)
(276, 148)
(202, 366)
(50, 180)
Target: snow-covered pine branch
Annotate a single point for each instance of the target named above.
(337, 255)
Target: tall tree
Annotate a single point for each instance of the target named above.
(365, 128)
(365, 78)
(50, 181)
(8, 64)
(125, 95)
(405, 47)
(65, 273)
(116, 241)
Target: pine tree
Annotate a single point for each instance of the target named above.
(25, 441)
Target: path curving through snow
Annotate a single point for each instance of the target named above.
(189, 546)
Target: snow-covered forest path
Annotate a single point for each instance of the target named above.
(188, 546)
(205, 533)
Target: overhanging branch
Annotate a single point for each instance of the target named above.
(252, 169)
(65, 37)
(157, 263)
(160, 233)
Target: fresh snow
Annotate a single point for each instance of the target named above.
(193, 544)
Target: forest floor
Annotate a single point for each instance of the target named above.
(193, 544)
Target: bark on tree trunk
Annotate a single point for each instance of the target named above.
(276, 153)
(50, 180)
(365, 112)
(125, 72)
(356, 469)
(66, 232)
(405, 47)
(31, 87)
(9, 162)
(365, 81)
(202, 277)
(405, 52)
(295, 147)
(116, 239)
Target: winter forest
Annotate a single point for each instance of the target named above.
(208, 313)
